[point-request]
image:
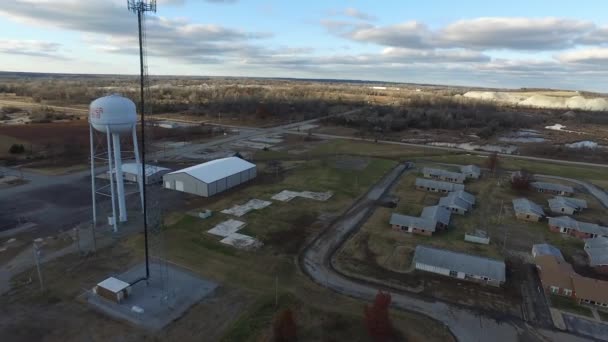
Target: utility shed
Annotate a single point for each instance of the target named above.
(460, 265)
(154, 174)
(113, 289)
(212, 177)
(478, 236)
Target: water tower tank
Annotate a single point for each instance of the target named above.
(113, 112)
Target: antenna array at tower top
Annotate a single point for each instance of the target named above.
(141, 5)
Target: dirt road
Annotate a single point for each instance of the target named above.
(465, 324)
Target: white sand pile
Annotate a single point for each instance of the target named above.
(540, 100)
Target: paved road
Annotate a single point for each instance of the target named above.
(465, 324)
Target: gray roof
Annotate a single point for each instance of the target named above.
(412, 221)
(552, 187)
(430, 183)
(547, 249)
(525, 206)
(585, 227)
(597, 250)
(437, 214)
(474, 169)
(460, 262)
(464, 195)
(214, 170)
(443, 173)
(559, 202)
(454, 201)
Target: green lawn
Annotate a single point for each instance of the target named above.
(569, 305)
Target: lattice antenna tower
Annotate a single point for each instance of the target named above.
(153, 220)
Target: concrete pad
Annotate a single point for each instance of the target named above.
(267, 140)
(251, 144)
(240, 210)
(241, 241)
(306, 127)
(288, 195)
(226, 228)
(166, 296)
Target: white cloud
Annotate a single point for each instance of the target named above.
(34, 48)
(591, 56)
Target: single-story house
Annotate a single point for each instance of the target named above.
(546, 249)
(212, 177)
(566, 205)
(438, 214)
(597, 252)
(154, 174)
(455, 203)
(527, 210)
(469, 198)
(552, 188)
(437, 186)
(591, 291)
(460, 265)
(471, 171)
(555, 275)
(448, 176)
(581, 230)
(414, 225)
(477, 236)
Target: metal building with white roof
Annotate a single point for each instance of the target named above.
(212, 177)
(154, 173)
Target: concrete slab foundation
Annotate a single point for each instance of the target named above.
(152, 305)
(288, 195)
(241, 241)
(240, 210)
(226, 228)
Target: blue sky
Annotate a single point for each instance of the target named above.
(556, 44)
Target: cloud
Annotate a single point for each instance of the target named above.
(596, 37)
(34, 48)
(409, 35)
(591, 56)
(115, 31)
(355, 13)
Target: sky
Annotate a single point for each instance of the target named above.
(560, 44)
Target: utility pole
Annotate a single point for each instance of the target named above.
(276, 291)
(37, 252)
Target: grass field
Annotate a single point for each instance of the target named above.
(603, 315)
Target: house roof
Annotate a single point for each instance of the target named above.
(135, 168)
(474, 169)
(585, 227)
(464, 195)
(525, 206)
(591, 289)
(460, 262)
(555, 272)
(430, 183)
(412, 221)
(559, 202)
(454, 201)
(552, 186)
(547, 249)
(437, 213)
(597, 251)
(214, 170)
(443, 173)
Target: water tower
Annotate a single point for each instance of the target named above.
(114, 116)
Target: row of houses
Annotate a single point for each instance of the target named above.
(466, 172)
(572, 227)
(559, 278)
(552, 188)
(530, 211)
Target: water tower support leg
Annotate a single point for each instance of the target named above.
(93, 190)
(140, 179)
(111, 174)
(120, 182)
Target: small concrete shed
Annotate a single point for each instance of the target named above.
(113, 289)
(211, 178)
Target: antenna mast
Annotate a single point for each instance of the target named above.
(140, 7)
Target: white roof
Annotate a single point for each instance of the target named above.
(113, 284)
(214, 170)
(135, 168)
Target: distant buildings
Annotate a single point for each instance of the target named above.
(437, 186)
(558, 278)
(211, 178)
(566, 206)
(572, 227)
(471, 171)
(460, 265)
(597, 253)
(527, 210)
(552, 188)
(443, 175)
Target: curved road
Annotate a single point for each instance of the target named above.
(464, 324)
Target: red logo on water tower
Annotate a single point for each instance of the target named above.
(96, 113)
